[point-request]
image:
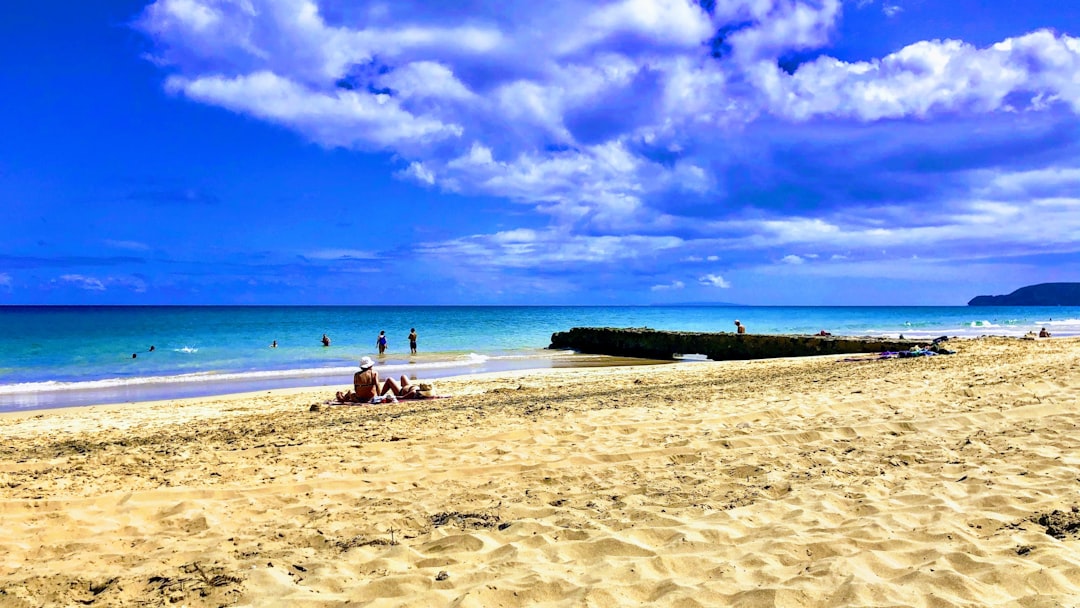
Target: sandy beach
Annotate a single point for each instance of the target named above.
(937, 481)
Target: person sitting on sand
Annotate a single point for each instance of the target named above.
(741, 328)
(366, 385)
(1043, 333)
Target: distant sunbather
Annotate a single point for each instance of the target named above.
(366, 385)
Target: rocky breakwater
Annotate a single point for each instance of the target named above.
(718, 346)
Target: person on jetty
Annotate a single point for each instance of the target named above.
(381, 342)
(366, 386)
(325, 340)
(740, 327)
(412, 340)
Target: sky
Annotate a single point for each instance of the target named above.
(758, 152)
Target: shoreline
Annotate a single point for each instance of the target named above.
(55, 395)
(82, 394)
(805, 481)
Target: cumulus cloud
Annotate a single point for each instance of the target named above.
(627, 124)
(335, 118)
(793, 259)
(714, 280)
(931, 77)
(543, 95)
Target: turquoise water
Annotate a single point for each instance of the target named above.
(59, 356)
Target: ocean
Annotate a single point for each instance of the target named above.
(59, 356)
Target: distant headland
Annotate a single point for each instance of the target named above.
(1043, 294)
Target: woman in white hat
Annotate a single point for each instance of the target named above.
(366, 385)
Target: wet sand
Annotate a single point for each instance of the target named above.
(950, 480)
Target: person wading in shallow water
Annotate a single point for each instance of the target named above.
(412, 340)
(381, 342)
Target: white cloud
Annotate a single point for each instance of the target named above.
(527, 248)
(789, 26)
(186, 13)
(929, 77)
(668, 286)
(593, 112)
(713, 258)
(427, 79)
(1023, 185)
(1049, 223)
(5, 280)
(129, 245)
(90, 283)
(333, 118)
(417, 171)
(83, 282)
(517, 84)
(714, 280)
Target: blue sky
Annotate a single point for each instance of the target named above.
(762, 152)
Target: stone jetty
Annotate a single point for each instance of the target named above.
(718, 346)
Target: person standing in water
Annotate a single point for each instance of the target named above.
(381, 342)
(325, 340)
(412, 340)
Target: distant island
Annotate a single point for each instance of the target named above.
(1043, 294)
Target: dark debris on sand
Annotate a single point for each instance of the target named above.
(465, 520)
(1061, 525)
